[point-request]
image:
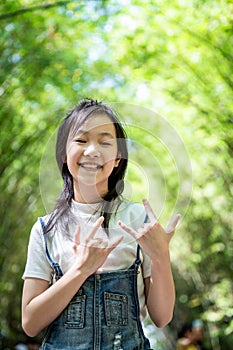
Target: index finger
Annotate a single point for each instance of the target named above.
(96, 226)
(149, 211)
(77, 236)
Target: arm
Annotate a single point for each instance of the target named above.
(160, 292)
(42, 304)
(159, 287)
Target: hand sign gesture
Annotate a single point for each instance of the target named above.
(152, 237)
(93, 251)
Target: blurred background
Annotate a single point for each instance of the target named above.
(173, 61)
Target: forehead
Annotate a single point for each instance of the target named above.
(98, 123)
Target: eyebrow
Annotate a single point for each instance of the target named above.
(104, 133)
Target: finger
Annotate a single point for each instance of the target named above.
(77, 237)
(173, 223)
(114, 242)
(128, 229)
(98, 243)
(107, 244)
(96, 226)
(149, 211)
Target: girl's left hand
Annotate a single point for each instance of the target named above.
(152, 237)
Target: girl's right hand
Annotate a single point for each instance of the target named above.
(92, 252)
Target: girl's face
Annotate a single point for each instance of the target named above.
(91, 156)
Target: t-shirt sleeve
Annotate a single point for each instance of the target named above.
(37, 265)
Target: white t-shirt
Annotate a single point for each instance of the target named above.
(60, 244)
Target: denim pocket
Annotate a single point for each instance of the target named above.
(115, 309)
(74, 313)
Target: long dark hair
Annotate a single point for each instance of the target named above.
(85, 109)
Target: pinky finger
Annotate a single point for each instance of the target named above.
(173, 223)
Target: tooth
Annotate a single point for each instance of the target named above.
(90, 166)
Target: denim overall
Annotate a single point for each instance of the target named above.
(103, 315)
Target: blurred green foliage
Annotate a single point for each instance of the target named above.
(157, 58)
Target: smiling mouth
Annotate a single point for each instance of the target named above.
(90, 166)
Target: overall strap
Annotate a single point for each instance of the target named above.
(138, 260)
(56, 267)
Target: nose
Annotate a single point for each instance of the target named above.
(91, 151)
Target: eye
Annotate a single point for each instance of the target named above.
(106, 143)
(80, 141)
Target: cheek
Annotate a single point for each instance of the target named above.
(69, 159)
(110, 156)
(73, 152)
(109, 166)
(72, 158)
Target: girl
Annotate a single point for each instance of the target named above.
(94, 264)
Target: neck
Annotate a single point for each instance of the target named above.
(89, 194)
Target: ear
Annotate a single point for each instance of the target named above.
(117, 160)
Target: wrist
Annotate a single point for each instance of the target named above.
(77, 273)
(161, 260)
(161, 255)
